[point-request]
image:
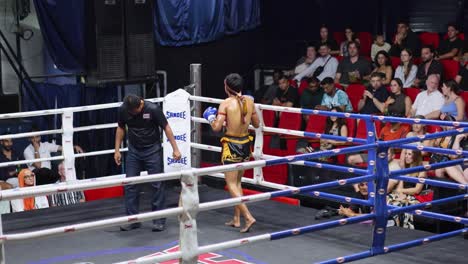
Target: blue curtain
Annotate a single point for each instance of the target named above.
(241, 15)
(63, 29)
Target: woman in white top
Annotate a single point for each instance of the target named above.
(406, 72)
(26, 178)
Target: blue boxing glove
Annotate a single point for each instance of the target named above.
(210, 114)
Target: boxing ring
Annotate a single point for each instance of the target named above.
(377, 175)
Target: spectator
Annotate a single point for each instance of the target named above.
(374, 97)
(41, 150)
(61, 199)
(417, 130)
(26, 178)
(5, 205)
(378, 45)
(355, 210)
(449, 142)
(312, 96)
(322, 67)
(303, 63)
(334, 97)
(406, 71)
(450, 47)
(427, 67)
(405, 38)
(8, 154)
(350, 36)
(462, 76)
(383, 65)
(454, 105)
(405, 192)
(269, 92)
(352, 69)
(393, 165)
(335, 126)
(326, 39)
(429, 102)
(397, 104)
(286, 95)
(393, 131)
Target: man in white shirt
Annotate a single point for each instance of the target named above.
(40, 150)
(429, 102)
(325, 61)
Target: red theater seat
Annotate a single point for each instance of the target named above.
(412, 93)
(269, 117)
(339, 37)
(104, 193)
(429, 38)
(395, 62)
(366, 42)
(464, 95)
(451, 68)
(316, 124)
(355, 92)
(290, 121)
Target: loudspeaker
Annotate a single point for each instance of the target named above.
(125, 45)
(110, 40)
(139, 38)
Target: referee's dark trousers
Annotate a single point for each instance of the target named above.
(145, 159)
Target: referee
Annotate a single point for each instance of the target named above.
(143, 119)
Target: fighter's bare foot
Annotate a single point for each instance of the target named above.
(233, 223)
(248, 225)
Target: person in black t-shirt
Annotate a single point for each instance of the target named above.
(143, 120)
(449, 48)
(428, 66)
(404, 39)
(354, 209)
(462, 76)
(8, 154)
(286, 95)
(325, 38)
(375, 96)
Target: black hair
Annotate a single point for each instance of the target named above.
(454, 25)
(312, 79)
(358, 46)
(387, 62)
(235, 82)
(410, 63)
(403, 21)
(430, 47)
(452, 85)
(340, 122)
(399, 82)
(377, 74)
(327, 80)
(132, 101)
(283, 76)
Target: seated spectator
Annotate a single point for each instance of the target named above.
(8, 154)
(5, 206)
(324, 66)
(66, 198)
(354, 68)
(428, 67)
(383, 65)
(350, 36)
(355, 210)
(378, 45)
(429, 102)
(462, 76)
(454, 105)
(374, 97)
(26, 178)
(405, 38)
(393, 165)
(326, 39)
(393, 131)
(312, 96)
(417, 130)
(335, 126)
(405, 192)
(397, 104)
(450, 47)
(286, 95)
(334, 97)
(304, 62)
(406, 71)
(267, 93)
(449, 142)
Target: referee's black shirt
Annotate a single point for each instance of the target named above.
(143, 128)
